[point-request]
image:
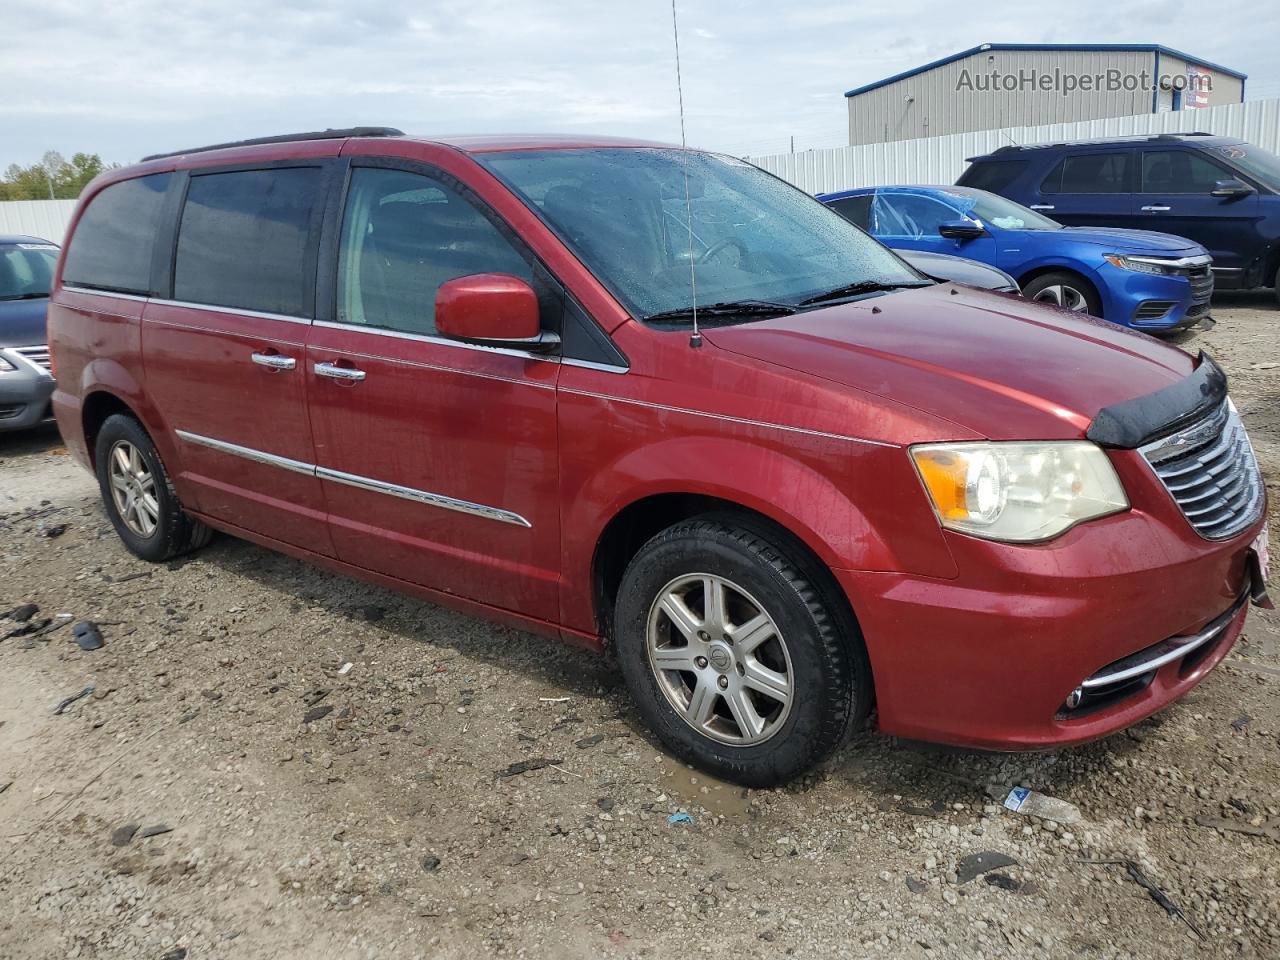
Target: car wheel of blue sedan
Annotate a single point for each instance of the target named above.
(1064, 290)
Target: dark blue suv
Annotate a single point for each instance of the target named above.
(1221, 192)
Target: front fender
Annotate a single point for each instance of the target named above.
(855, 505)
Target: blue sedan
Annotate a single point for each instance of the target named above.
(1150, 281)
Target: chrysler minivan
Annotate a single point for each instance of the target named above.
(786, 479)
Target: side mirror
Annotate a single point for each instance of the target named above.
(492, 309)
(961, 229)
(1230, 189)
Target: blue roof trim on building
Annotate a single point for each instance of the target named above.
(1079, 47)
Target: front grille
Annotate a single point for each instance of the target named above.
(37, 355)
(1210, 471)
(1152, 310)
(1201, 284)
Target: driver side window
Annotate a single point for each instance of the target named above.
(405, 234)
(909, 215)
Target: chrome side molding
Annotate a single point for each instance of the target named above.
(354, 480)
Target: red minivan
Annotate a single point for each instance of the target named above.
(657, 400)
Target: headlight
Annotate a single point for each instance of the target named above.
(1018, 492)
(1154, 265)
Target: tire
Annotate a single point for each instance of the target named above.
(809, 642)
(155, 527)
(1065, 289)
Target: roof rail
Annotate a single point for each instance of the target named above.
(1130, 138)
(331, 134)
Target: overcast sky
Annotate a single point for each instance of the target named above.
(130, 77)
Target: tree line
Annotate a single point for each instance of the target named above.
(53, 178)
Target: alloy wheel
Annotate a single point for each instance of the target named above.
(133, 489)
(720, 659)
(1061, 295)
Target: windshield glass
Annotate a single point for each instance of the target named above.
(1258, 163)
(26, 270)
(624, 213)
(996, 210)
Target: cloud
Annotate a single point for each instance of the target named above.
(138, 76)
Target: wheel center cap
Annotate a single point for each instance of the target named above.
(721, 659)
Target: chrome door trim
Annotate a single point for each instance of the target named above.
(728, 419)
(1155, 208)
(248, 453)
(273, 361)
(234, 311)
(427, 338)
(593, 365)
(1041, 206)
(422, 496)
(72, 288)
(363, 483)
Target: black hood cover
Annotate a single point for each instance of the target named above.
(1132, 423)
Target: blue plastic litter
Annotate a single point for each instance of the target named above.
(680, 817)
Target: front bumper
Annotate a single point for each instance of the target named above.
(25, 391)
(992, 658)
(1160, 303)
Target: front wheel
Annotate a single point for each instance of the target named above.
(734, 657)
(138, 496)
(1067, 290)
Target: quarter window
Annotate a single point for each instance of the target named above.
(403, 235)
(1179, 171)
(1090, 173)
(992, 176)
(112, 245)
(248, 240)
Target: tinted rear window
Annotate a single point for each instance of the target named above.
(248, 240)
(1090, 173)
(993, 175)
(854, 209)
(112, 245)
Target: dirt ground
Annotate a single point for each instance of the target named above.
(336, 771)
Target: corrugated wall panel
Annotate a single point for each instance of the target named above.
(47, 219)
(942, 159)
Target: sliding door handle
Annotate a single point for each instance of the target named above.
(274, 361)
(335, 372)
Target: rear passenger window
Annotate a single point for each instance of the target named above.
(248, 240)
(405, 234)
(856, 210)
(1179, 171)
(112, 245)
(992, 175)
(1090, 173)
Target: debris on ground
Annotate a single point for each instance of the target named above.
(317, 713)
(122, 836)
(87, 635)
(154, 831)
(1269, 830)
(976, 864)
(1029, 803)
(1154, 892)
(430, 864)
(63, 704)
(22, 613)
(679, 817)
(524, 766)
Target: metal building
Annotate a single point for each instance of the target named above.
(1015, 84)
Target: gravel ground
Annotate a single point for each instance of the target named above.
(274, 762)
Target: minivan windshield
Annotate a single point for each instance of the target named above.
(26, 270)
(757, 244)
(1258, 163)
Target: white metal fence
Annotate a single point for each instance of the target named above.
(941, 160)
(46, 219)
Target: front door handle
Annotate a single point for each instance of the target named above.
(335, 372)
(1042, 206)
(1156, 208)
(274, 361)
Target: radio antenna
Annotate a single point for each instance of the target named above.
(695, 340)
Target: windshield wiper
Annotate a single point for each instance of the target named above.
(853, 289)
(26, 296)
(727, 308)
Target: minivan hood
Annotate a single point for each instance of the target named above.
(1118, 240)
(22, 322)
(997, 366)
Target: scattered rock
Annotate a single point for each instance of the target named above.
(121, 836)
(523, 766)
(23, 612)
(177, 953)
(590, 741)
(605, 804)
(316, 713)
(1003, 881)
(915, 885)
(312, 697)
(54, 530)
(430, 864)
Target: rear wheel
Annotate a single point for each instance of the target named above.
(1065, 289)
(733, 656)
(138, 496)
